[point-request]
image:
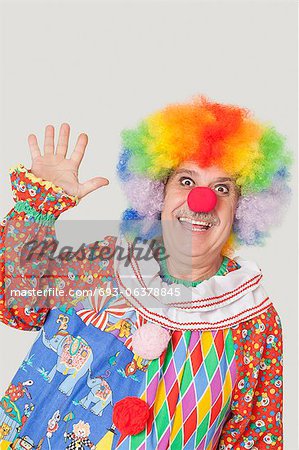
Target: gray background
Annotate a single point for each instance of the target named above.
(103, 66)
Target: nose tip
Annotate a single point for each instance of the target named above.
(202, 199)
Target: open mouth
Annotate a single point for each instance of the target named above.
(195, 225)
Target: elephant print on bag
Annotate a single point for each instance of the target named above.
(74, 356)
(100, 394)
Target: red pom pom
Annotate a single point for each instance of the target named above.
(130, 415)
(202, 199)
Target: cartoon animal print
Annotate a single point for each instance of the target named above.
(53, 424)
(137, 363)
(123, 327)
(74, 355)
(28, 409)
(113, 359)
(15, 392)
(4, 430)
(52, 427)
(11, 415)
(79, 437)
(100, 394)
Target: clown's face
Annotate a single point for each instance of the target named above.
(186, 237)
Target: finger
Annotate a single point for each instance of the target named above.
(63, 139)
(49, 140)
(91, 185)
(80, 147)
(33, 145)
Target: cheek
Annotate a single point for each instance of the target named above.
(226, 210)
(173, 200)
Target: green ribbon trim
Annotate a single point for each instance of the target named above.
(44, 219)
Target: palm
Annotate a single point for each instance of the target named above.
(59, 171)
(54, 167)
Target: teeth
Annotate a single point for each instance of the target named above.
(195, 222)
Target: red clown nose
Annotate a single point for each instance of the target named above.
(202, 199)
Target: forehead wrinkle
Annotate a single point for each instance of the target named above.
(194, 173)
(190, 172)
(224, 179)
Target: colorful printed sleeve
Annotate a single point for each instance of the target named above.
(30, 222)
(84, 279)
(255, 421)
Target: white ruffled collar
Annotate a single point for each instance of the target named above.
(217, 303)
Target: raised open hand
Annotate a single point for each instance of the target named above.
(56, 168)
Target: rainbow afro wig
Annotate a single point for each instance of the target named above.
(206, 133)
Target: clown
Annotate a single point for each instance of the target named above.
(202, 179)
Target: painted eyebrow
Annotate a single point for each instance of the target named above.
(193, 173)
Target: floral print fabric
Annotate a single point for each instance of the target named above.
(256, 419)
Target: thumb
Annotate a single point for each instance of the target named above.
(91, 185)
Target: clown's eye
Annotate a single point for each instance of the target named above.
(185, 181)
(222, 188)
